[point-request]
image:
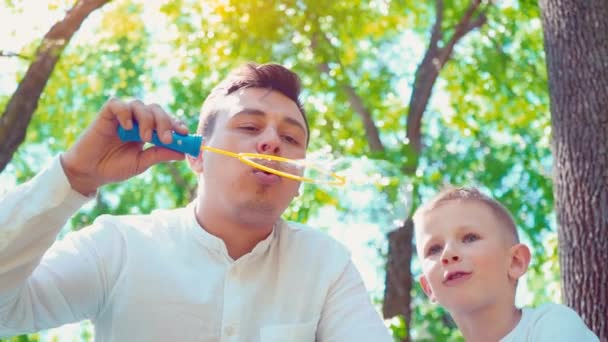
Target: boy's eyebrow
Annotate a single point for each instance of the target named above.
(468, 227)
(425, 242)
(257, 112)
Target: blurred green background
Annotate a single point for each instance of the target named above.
(477, 84)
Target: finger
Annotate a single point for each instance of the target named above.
(115, 109)
(155, 155)
(145, 119)
(179, 125)
(163, 123)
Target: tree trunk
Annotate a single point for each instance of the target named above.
(24, 101)
(576, 45)
(398, 281)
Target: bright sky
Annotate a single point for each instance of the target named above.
(17, 30)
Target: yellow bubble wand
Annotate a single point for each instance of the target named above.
(192, 144)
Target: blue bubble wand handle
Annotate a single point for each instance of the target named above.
(185, 143)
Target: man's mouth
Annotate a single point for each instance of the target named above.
(266, 178)
(271, 164)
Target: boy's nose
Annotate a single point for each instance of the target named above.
(450, 255)
(447, 259)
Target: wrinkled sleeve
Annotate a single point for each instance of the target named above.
(44, 283)
(348, 314)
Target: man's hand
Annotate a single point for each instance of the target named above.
(100, 157)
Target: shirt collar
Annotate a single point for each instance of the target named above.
(217, 245)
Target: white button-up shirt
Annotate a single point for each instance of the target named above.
(550, 322)
(161, 277)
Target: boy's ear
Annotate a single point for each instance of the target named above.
(196, 164)
(519, 261)
(427, 288)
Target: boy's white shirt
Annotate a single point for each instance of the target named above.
(550, 322)
(162, 277)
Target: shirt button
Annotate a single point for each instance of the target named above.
(229, 331)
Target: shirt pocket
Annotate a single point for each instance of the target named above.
(297, 332)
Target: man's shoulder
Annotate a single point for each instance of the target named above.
(305, 236)
(157, 220)
(304, 232)
(303, 247)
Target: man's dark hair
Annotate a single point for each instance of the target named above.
(267, 76)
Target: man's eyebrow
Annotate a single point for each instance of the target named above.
(250, 111)
(257, 112)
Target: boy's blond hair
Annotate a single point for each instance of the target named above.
(451, 193)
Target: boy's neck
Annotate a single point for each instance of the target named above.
(489, 324)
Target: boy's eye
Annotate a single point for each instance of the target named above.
(470, 237)
(434, 249)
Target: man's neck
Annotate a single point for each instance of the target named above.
(491, 323)
(239, 238)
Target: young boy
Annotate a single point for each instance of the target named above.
(471, 261)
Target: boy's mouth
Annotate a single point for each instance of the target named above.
(455, 276)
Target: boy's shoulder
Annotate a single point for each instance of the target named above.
(550, 322)
(551, 313)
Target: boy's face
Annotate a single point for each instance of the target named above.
(469, 259)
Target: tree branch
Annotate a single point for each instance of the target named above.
(432, 63)
(13, 54)
(398, 282)
(466, 24)
(437, 32)
(371, 131)
(24, 101)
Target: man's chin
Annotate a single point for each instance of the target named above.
(257, 213)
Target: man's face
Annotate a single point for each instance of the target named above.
(465, 256)
(253, 120)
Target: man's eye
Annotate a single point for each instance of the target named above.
(470, 237)
(291, 140)
(434, 249)
(249, 128)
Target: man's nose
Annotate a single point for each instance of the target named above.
(269, 143)
(449, 256)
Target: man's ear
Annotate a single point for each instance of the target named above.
(196, 163)
(519, 256)
(426, 287)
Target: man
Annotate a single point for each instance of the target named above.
(225, 268)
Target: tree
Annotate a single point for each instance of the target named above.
(483, 121)
(24, 101)
(576, 44)
(332, 43)
(439, 51)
